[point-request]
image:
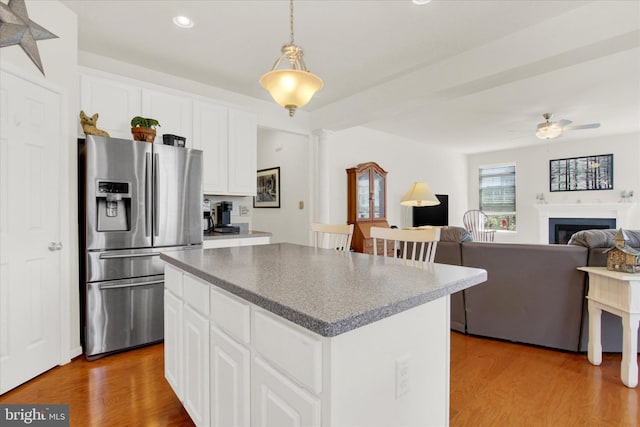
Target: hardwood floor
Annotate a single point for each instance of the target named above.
(493, 383)
(126, 389)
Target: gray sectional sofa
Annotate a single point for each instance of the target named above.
(534, 293)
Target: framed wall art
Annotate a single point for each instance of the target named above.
(581, 173)
(268, 189)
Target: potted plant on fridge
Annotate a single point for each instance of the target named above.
(143, 129)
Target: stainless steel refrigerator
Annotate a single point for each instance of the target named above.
(136, 200)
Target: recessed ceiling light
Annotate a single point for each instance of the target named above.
(183, 22)
(421, 2)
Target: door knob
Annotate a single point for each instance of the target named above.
(55, 246)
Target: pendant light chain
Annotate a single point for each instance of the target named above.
(291, 18)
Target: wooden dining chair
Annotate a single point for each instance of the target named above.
(332, 236)
(412, 245)
(474, 221)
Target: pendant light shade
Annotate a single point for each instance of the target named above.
(294, 87)
(419, 195)
(291, 88)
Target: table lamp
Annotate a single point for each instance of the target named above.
(419, 195)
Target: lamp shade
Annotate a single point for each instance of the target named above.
(291, 88)
(419, 195)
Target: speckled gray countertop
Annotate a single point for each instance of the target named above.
(323, 290)
(219, 236)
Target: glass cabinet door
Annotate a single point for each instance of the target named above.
(364, 209)
(378, 195)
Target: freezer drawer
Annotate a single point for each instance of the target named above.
(123, 314)
(127, 263)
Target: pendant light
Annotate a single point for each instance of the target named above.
(294, 87)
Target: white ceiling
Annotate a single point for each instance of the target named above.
(472, 75)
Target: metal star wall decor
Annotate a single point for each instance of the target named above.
(17, 28)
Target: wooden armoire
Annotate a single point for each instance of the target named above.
(366, 203)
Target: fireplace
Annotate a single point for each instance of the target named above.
(621, 212)
(561, 229)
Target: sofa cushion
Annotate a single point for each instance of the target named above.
(455, 234)
(603, 238)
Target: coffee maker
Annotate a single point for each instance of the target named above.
(223, 218)
(207, 218)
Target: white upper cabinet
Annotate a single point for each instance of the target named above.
(243, 137)
(172, 111)
(210, 135)
(227, 137)
(116, 104)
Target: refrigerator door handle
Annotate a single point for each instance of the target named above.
(132, 285)
(147, 194)
(156, 193)
(117, 256)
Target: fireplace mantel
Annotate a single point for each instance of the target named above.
(620, 211)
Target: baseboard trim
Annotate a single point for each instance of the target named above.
(75, 352)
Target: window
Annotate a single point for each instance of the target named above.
(498, 196)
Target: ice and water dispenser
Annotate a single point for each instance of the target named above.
(113, 200)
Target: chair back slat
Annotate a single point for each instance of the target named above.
(411, 245)
(332, 236)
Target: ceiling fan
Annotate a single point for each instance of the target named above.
(551, 130)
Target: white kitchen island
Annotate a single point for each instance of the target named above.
(288, 335)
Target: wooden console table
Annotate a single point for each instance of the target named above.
(617, 293)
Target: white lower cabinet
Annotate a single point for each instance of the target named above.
(195, 293)
(230, 381)
(186, 341)
(245, 366)
(277, 401)
(196, 366)
(173, 341)
(232, 243)
(254, 241)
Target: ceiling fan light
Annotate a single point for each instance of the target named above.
(548, 131)
(183, 21)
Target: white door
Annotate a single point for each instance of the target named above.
(196, 366)
(277, 401)
(30, 271)
(243, 152)
(230, 381)
(210, 136)
(173, 342)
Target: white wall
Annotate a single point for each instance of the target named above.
(532, 177)
(405, 161)
(292, 153)
(59, 58)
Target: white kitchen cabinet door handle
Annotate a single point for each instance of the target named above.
(55, 246)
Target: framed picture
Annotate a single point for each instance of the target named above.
(581, 173)
(268, 189)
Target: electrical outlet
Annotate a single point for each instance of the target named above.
(244, 210)
(402, 376)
